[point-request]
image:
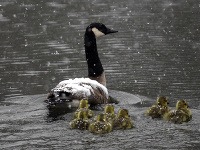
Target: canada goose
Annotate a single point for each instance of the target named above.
(92, 88)
(181, 114)
(159, 109)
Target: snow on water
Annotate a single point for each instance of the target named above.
(80, 86)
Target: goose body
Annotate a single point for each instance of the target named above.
(81, 88)
(92, 88)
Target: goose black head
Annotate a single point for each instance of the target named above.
(99, 29)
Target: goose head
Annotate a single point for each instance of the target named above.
(98, 30)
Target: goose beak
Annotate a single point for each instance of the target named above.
(110, 31)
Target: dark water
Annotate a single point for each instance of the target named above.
(155, 53)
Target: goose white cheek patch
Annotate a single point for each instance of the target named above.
(97, 33)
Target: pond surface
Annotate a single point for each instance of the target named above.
(154, 53)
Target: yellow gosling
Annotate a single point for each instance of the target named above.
(181, 114)
(100, 126)
(123, 120)
(84, 106)
(81, 122)
(159, 109)
(109, 113)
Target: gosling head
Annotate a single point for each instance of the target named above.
(182, 104)
(109, 109)
(83, 103)
(123, 113)
(162, 101)
(99, 29)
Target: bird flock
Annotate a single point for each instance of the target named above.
(160, 109)
(104, 122)
(107, 121)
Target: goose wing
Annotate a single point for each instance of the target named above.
(80, 88)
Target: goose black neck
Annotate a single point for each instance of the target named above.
(95, 67)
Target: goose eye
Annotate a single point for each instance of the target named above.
(89, 29)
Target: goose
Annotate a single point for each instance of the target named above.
(181, 114)
(93, 88)
(159, 109)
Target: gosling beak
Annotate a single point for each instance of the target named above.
(110, 31)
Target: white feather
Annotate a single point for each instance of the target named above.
(80, 87)
(97, 33)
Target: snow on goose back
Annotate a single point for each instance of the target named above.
(80, 88)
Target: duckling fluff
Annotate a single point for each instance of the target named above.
(100, 126)
(181, 114)
(81, 122)
(109, 113)
(83, 106)
(123, 120)
(159, 109)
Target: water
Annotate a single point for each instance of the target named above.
(154, 53)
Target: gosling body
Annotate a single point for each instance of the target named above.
(181, 114)
(84, 106)
(81, 122)
(159, 109)
(123, 120)
(100, 126)
(109, 113)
